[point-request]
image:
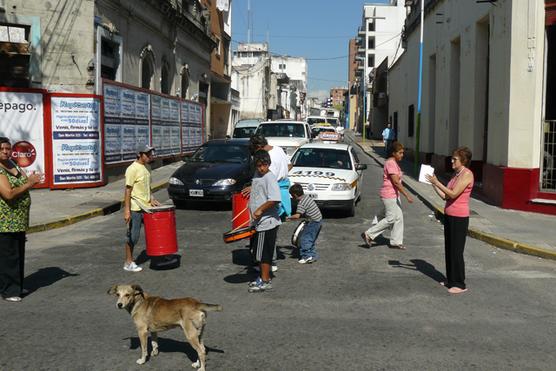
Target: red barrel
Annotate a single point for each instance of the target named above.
(160, 231)
(240, 211)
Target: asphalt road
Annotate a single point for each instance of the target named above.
(355, 309)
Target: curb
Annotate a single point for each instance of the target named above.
(488, 238)
(109, 209)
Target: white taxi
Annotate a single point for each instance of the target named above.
(329, 173)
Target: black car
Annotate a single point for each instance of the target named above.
(216, 170)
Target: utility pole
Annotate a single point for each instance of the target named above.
(248, 21)
(420, 92)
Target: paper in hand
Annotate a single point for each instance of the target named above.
(425, 170)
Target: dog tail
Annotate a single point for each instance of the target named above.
(210, 307)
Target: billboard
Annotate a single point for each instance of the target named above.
(22, 121)
(76, 140)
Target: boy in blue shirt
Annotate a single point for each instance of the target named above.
(264, 204)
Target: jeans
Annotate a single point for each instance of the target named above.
(134, 227)
(308, 239)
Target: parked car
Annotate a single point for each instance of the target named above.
(245, 128)
(329, 173)
(214, 172)
(287, 134)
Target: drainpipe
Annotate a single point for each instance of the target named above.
(420, 92)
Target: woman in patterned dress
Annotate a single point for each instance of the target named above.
(15, 202)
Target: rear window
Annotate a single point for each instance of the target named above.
(284, 130)
(244, 132)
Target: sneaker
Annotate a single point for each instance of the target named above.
(132, 267)
(259, 285)
(274, 268)
(13, 299)
(307, 260)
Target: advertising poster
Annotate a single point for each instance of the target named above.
(174, 119)
(76, 140)
(112, 124)
(156, 124)
(22, 121)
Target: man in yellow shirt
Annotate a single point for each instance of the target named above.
(137, 199)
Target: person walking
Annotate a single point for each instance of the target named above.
(137, 199)
(388, 138)
(307, 208)
(456, 217)
(15, 204)
(390, 195)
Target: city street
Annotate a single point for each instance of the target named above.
(355, 309)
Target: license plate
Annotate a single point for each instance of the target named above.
(314, 196)
(196, 193)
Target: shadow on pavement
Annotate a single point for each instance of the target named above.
(422, 266)
(166, 345)
(45, 277)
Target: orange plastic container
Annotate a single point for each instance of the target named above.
(240, 211)
(160, 231)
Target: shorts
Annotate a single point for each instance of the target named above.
(134, 228)
(263, 244)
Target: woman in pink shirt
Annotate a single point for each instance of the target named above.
(390, 196)
(456, 217)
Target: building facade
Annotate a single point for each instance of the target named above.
(486, 85)
(163, 46)
(380, 39)
(291, 74)
(251, 76)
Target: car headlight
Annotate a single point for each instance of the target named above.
(224, 182)
(175, 181)
(340, 187)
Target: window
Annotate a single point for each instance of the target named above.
(110, 59)
(282, 66)
(15, 57)
(165, 78)
(370, 60)
(371, 26)
(410, 120)
(371, 43)
(147, 68)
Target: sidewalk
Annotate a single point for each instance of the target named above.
(524, 232)
(58, 208)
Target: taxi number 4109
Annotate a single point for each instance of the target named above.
(314, 172)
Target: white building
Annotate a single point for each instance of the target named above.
(379, 38)
(291, 73)
(484, 87)
(251, 77)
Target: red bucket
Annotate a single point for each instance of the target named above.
(160, 231)
(240, 211)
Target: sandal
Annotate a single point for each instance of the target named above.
(399, 247)
(368, 241)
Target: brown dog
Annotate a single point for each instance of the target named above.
(153, 314)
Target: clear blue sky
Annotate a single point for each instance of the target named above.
(313, 29)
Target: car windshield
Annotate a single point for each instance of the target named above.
(318, 120)
(322, 157)
(221, 153)
(244, 132)
(282, 130)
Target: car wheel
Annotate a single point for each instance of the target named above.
(351, 210)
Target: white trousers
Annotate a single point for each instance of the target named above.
(393, 220)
